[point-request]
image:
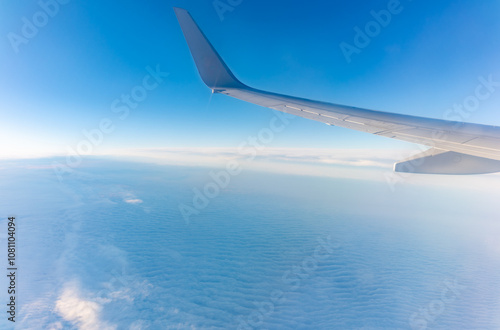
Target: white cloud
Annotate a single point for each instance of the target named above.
(214, 156)
(364, 164)
(82, 313)
(133, 201)
(346, 163)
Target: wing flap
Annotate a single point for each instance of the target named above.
(436, 161)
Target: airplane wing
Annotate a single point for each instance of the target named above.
(456, 147)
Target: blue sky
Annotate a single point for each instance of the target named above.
(65, 78)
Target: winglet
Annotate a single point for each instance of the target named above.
(213, 71)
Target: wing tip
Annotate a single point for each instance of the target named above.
(213, 71)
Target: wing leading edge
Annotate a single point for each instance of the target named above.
(456, 147)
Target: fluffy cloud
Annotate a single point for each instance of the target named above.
(82, 313)
(133, 200)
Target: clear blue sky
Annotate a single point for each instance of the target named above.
(65, 78)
